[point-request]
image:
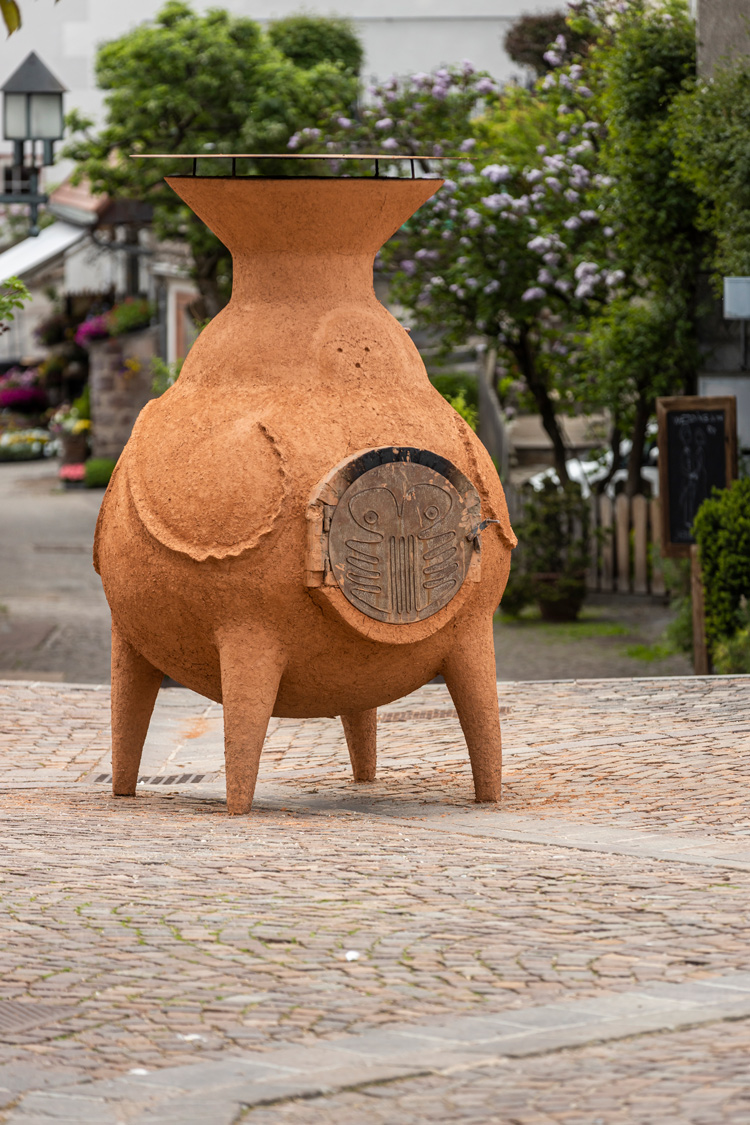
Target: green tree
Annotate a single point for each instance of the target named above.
(190, 83)
(644, 344)
(712, 121)
(13, 295)
(563, 233)
(499, 251)
(527, 41)
(311, 40)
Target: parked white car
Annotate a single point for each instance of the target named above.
(589, 473)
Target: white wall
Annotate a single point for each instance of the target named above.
(88, 266)
(400, 36)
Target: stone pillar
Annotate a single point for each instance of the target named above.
(120, 380)
(723, 33)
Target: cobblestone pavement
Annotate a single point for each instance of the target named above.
(154, 952)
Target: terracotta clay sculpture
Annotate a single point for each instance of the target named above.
(299, 526)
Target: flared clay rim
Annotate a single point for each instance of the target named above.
(257, 214)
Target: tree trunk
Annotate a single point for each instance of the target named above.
(614, 445)
(211, 301)
(642, 415)
(524, 353)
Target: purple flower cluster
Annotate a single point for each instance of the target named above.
(22, 390)
(96, 328)
(304, 136)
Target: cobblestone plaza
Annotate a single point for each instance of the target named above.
(388, 952)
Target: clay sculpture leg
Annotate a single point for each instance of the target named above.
(471, 678)
(135, 685)
(251, 670)
(360, 728)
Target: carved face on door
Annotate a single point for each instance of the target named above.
(398, 542)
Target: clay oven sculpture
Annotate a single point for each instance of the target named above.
(298, 527)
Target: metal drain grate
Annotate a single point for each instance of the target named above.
(424, 713)
(15, 1015)
(172, 779)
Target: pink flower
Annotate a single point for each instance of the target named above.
(72, 472)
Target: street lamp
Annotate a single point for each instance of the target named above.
(32, 115)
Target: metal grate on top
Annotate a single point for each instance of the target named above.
(389, 158)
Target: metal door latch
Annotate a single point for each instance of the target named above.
(473, 536)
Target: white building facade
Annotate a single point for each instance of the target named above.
(399, 36)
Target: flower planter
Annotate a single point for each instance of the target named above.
(559, 596)
(74, 448)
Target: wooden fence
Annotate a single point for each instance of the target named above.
(625, 534)
(625, 556)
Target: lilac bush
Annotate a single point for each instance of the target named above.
(515, 247)
(530, 244)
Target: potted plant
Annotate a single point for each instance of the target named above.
(94, 328)
(71, 425)
(553, 553)
(73, 476)
(25, 444)
(130, 315)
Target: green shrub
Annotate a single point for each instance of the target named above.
(164, 374)
(732, 654)
(518, 593)
(82, 404)
(454, 383)
(98, 471)
(553, 553)
(310, 40)
(130, 315)
(469, 413)
(679, 631)
(722, 531)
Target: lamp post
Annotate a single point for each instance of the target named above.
(32, 117)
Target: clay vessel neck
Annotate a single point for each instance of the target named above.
(302, 241)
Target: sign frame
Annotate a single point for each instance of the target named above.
(681, 404)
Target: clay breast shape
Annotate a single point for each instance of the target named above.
(208, 487)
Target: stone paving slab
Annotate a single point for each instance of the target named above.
(376, 1057)
(695, 1077)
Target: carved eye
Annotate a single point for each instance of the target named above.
(372, 517)
(431, 513)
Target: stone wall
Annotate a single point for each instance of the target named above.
(120, 379)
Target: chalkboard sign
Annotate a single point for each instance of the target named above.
(697, 453)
